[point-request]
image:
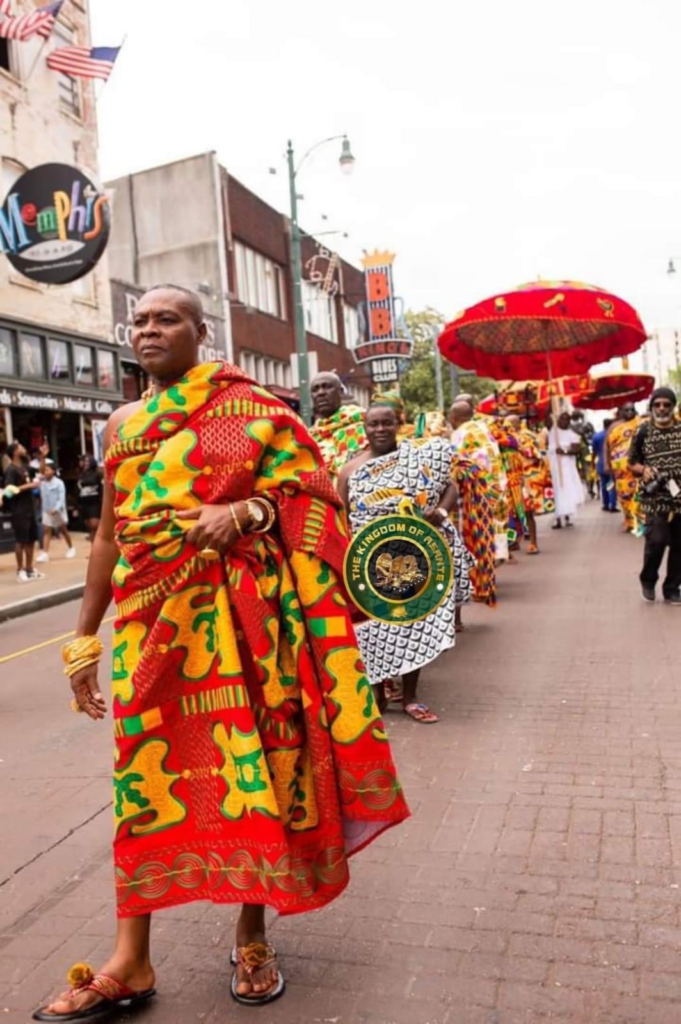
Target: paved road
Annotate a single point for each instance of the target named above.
(538, 879)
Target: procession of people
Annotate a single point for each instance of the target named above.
(250, 680)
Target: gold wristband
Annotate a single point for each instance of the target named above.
(270, 514)
(235, 517)
(81, 653)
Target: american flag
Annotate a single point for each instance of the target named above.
(82, 62)
(38, 22)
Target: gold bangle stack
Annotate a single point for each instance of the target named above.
(81, 653)
(270, 514)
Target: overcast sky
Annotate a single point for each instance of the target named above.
(495, 141)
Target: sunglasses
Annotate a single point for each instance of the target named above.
(663, 404)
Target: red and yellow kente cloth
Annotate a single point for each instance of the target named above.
(618, 441)
(250, 758)
(477, 527)
(340, 436)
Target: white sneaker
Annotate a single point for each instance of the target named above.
(35, 575)
(71, 553)
(42, 556)
(22, 576)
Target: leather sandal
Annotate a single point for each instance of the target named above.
(252, 958)
(115, 995)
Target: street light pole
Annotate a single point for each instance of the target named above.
(346, 162)
(299, 312)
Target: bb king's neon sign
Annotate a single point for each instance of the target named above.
(382, 321)
(54, 224)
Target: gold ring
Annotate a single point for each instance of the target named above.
(75, 706)
(210, 554)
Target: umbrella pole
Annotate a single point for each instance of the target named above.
(554, 408)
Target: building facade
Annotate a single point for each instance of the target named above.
(59, 371)
(191, 223)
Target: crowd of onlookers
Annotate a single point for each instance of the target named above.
(34, 497)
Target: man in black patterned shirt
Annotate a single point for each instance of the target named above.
(655, 457)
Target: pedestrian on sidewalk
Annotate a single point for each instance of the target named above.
(374, 484)
(22, 511)
(606, 479)
(90, 494)
(564, 447)
(655, 457)
(250, 757)
(55, 516)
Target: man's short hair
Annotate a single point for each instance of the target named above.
(12, 447)
(192, 299)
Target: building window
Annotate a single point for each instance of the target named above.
(266, 371)
(8, 57)
(259, 281)
(68, 88)
(132, 381)
(8, 358)
(58, 357)
(351, 325)
(31, 356)
(83, 358)
(106, 364)
(320, 312)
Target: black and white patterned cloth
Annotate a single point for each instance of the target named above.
(420, 472)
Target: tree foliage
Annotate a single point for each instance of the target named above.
(418, 383)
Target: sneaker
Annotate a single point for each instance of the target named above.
(35, 575)
(42, 556)
(22, 576)
(648, 593)
(71, 553)
(674, 599)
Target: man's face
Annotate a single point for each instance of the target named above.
(564, 420)
(663, 411)
(628, 412)
(20, 452)
(165, 335)
(380, 425)
(326, 395)
(48, 472)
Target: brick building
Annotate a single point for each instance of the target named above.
(59, 372)
(192, 223)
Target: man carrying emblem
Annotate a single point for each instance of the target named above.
(390, 479)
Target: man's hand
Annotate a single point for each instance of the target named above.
(86, 691)
(649, 473)
(436, 516)
(215, 527)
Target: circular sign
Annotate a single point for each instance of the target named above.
(398, 569)
(54, 224)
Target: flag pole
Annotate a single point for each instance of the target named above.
(106, 80)
(42, 47)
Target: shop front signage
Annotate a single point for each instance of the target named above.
(16, 399)
(382, 321)
(54, 224)
(124, 298)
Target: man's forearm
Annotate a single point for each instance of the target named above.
(98, 589)
(637, 468)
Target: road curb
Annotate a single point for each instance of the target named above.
(40, 602)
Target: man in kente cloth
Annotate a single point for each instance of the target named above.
(617, 446)
(338, 429)
(250, 757)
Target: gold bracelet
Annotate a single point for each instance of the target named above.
(237, 524)
(269, 512)
(81, 653)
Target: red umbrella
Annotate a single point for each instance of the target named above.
(541, 331)
(609, 390)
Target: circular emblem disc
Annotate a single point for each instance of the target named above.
(398, 569)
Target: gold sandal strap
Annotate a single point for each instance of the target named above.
(255, 956)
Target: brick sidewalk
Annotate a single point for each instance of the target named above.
(59, 573)
(538, 879)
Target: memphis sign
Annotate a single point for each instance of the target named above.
(54, 224)
(398, 569)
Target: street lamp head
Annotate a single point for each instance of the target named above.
(671, 269)
(347, 160)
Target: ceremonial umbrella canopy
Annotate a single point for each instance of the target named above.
(542, 331)
(534, 396)
(609, 390)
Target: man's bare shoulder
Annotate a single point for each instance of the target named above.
(120, 415)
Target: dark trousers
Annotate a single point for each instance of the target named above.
(608, 497)
(661, 533)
